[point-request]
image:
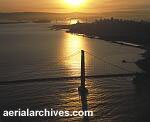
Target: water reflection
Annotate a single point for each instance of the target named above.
(73, 44)
(74, 21)
(72, 101)
(84, 103)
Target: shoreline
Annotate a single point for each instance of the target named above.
(117, 42)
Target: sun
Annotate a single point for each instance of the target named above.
(75, 2)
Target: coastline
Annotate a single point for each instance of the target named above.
(117, 42)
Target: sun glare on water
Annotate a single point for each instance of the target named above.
(75, 2)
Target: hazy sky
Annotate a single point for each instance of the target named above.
(61, 6)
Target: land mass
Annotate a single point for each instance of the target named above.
(136, 32)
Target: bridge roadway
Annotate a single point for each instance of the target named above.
(67, 78)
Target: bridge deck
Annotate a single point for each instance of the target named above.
(67, 78)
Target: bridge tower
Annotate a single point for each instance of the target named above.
(83, 91)
(82, 69)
